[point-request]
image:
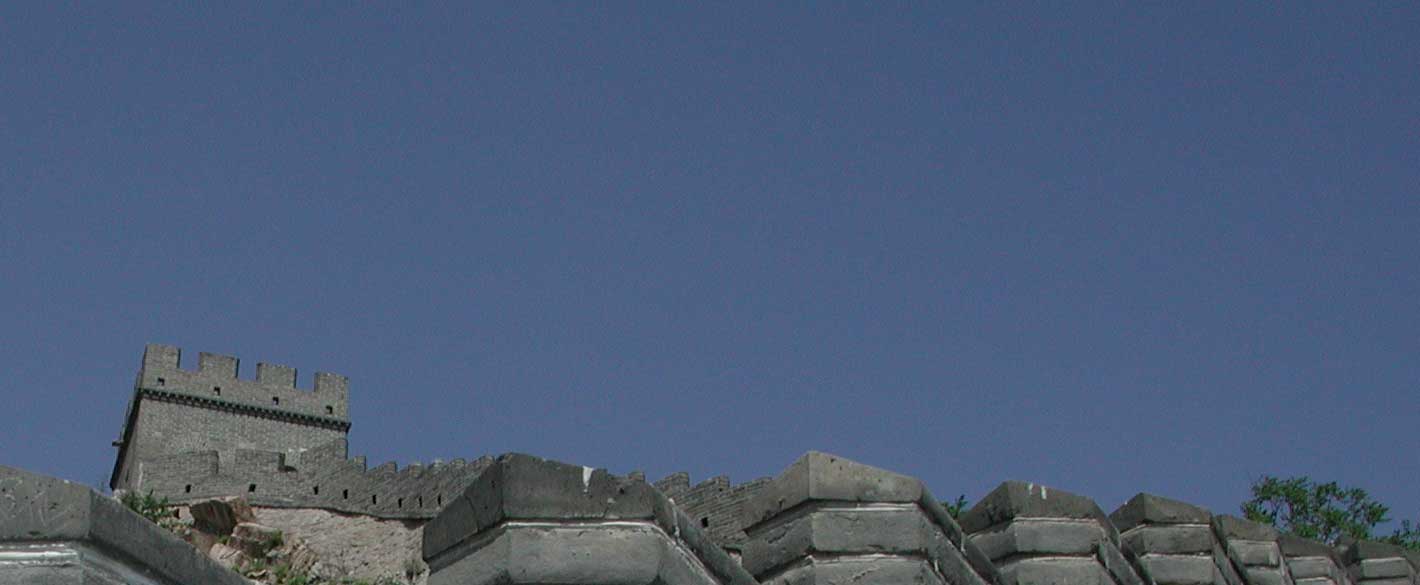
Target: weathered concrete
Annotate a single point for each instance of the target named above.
(529, 520)
(56, 532)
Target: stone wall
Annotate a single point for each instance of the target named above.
(212, 409)
(53, 532)
(319, 478)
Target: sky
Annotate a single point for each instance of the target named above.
(1111, 249)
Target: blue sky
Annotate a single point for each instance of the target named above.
(1117, 249)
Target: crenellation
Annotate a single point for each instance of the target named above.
(275, 375)
(217, 367)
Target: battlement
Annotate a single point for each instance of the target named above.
(315, 478)
(216, 382)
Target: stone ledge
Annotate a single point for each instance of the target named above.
(36, 508)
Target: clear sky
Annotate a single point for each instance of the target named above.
(1120, 249)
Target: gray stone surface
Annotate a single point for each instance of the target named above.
(826, 518)
(1150, 509)
(821, 476)
(1040, 536)
(1015, 499)
(108, 542)
(530, 520)
(1179, 569)
(1230, 527)
(1030, 530)
(1177, 539)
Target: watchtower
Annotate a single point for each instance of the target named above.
(211, 410)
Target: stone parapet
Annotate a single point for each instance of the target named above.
(827, 519)
(1037, 535)
(1172, 543)
(53, 532)
(529, 520)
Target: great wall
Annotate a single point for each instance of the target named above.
(192, 436)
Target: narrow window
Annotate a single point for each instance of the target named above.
(276, 400)
(217, 390)
(441, 500)
(374, 499)
(177, 514)
(399, 503)
(329, 409)
(345, 494)
(705, 522)
(162, 382)
(315, 490)
(251, 487)
(421, 501)
(187, 489)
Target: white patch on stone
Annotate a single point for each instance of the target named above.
(1042, 492)
(586, 478)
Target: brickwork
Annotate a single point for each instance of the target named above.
(714, 503)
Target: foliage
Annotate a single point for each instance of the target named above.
(157, 510)
(1321, 511)
(957, 507)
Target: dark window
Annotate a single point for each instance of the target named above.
(217, 390)
(162, 382)
(329, 409)
(345, 494)
(705, 522)
(399, 503)
(187, 489)
(315, 489)
(177, 514)
(374, 499)
(276, 400)
(251, 487)
(441, 500)
(421, 501)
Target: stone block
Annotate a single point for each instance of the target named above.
(1015, 499)
(1296, 546)
(1150, 509)
(1255, 553)
(1230, 527)
(825, 477)
(1179, 569)
(523, 487)
(901, 530)
(1168, 539)
(1384, 568)
(1040, 536)
(1310, 567)
(1266, 576)
(1055, 571)
(858, 571)
(613, 553)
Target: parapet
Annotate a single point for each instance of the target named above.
(216, 383)
(54, 531)
(530, 520)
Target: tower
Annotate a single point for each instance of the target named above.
(186, 423)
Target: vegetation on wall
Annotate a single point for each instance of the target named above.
(1323, 511)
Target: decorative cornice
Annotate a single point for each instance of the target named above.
(246, 409)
